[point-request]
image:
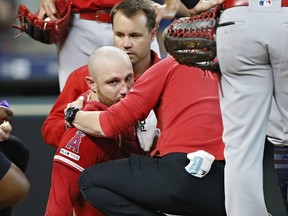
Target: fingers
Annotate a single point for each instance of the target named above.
(77, 103)
(81, 98)
(48, 9)
(165, 11)
(5, 130)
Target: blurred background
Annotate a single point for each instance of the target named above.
(27, 67)
(29, 82)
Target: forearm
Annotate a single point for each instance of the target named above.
(182, 10)
(88, 122)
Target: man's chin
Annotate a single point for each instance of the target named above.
(132, 58)
(134, 62)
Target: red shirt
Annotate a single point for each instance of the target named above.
(186, 103)
(79, 151)
(93, 5)
(54, 125)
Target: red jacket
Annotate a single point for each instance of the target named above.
(76, 152)
(186, 104)
(54, 125)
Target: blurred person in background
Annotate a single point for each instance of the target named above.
(90, 29)
(14, 185)
(133, 31)
(7, 16)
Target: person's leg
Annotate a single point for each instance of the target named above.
(14, 186)
(281, 166)
(17, 152)
(145, 186)
(83, 208)
(84, 37)
(279, 59)
(247, 86)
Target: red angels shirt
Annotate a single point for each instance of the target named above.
(53, 127)
(78, 150)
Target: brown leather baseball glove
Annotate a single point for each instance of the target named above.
(191, 40)
(45, 30)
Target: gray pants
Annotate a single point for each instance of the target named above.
(253, 58)
(84, 37)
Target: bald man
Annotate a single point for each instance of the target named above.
(110, 78)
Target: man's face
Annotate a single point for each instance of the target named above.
(132, 35)
(114, 82)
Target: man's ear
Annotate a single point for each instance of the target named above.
(154, 33)
(90, 82)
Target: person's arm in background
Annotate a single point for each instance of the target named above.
(182, 8)
(14, 186)
(168, 10)
(203, 5)
(54, 125)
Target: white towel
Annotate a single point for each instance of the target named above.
(147, 130)
(200, 163)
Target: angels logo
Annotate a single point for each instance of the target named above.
(74, 143)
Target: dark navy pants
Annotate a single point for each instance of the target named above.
(147, 186)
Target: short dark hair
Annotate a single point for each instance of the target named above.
(130, 7)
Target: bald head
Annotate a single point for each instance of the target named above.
(107, 58)
(111, 74)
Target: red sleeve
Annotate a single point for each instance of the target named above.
(54, 127)
(138, 103)
(186, 103)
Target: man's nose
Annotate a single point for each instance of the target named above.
(127, 42)
(124, 88)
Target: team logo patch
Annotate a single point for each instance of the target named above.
(265, 3)
(69, 154)
(74, 143)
